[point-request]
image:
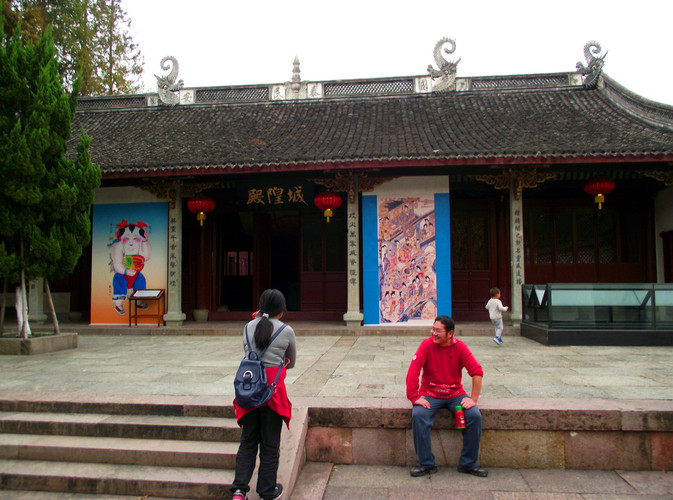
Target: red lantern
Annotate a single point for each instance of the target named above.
(599, 187)
(327, 201)
(201, 205)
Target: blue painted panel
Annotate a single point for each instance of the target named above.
(443, 248)
(370, 260)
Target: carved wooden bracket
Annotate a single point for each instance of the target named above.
(516, 177)
(662, 176)
(166, 189)
(351, 182)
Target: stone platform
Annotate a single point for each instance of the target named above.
(546, 408)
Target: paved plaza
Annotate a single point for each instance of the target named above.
(334, 366)
(330, 366)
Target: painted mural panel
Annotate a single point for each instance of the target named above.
(129, 252)
(407, 258)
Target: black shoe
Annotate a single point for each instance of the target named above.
(420, 471)
(277, 492)
(479, 472)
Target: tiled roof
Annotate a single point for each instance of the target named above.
(541, 124)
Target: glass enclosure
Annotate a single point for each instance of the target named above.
(603, 306)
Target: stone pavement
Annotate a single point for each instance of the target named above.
(334, 366)
(330, 366)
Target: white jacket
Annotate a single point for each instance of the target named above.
(495, 308)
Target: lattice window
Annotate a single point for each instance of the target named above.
(363, 88)
(565, 243)
(542, 234)
(117, 102)
(503, 83)
(586, 241)
(239, 94)
(607, 235)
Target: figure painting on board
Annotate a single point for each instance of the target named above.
(128, 253)
(407, 267)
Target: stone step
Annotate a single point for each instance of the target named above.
(209, 454)
(123, 426)
(130, 404)
(114, 479)
(52, 495)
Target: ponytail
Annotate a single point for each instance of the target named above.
(271, 304)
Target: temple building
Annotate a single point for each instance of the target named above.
(377, 201)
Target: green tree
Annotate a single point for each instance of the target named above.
(91, 37)
(120, 63)
(45, 197)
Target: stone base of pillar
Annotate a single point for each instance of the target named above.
(37, 319)
(516, 319)
(174, 318)
(353, 318)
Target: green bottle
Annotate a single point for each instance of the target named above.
(460, 417)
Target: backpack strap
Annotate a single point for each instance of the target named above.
(273, 337)
(259, 356)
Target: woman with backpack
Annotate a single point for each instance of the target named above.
(261, 426)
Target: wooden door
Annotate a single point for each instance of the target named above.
(473, 262)
(261, 263)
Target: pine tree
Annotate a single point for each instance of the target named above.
(45, 198)
(120, 62)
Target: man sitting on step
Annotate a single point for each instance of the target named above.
(442, 358)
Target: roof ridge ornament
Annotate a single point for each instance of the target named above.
(167, 85)
(447, 69)
(296, 75)
(594, 64)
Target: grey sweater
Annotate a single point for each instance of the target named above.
(284, 346)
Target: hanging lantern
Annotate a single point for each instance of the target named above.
(201, 205)
(599, 187)
(327, 201)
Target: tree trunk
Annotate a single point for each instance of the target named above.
(51, 307)
(3, 306)
(22, 308)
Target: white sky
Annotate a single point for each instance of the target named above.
(247, 42)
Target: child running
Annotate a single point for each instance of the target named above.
(495, 310)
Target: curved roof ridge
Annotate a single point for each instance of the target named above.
(653, 112)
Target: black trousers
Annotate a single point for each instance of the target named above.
(260, 430)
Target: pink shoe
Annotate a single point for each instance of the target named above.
(239, 495)
(120, 310)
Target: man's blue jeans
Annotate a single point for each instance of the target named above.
(422, 420)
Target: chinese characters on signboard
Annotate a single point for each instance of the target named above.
(353, 256)
(276, 196)
(173, 242)
(518, 248)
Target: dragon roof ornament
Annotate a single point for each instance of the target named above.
(446, 74)
(594, 66)
(169, 84)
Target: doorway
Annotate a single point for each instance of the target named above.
(256, 251)
(473, 259)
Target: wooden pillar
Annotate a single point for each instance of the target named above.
(516, 246)
(174, 315)
(353, 316)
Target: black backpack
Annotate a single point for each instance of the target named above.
(250, 385)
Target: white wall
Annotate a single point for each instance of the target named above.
(126, 193)
(423, 184)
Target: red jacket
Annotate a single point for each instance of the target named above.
(279, 402)
(442, 370)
